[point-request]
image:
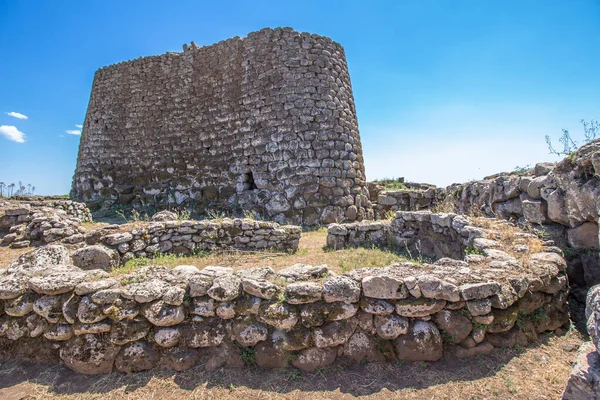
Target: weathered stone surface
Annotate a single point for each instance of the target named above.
(88, 287)
(89, 312)
(12, 285)
(41, 258)
(422, 343)
(164, 215)
(95, 257)
(391, 326)
(60, 332)
(310, 359)
(584, 382)
(56, 282)
(20, 306)
(49, 307)
(416, 308)
(199, 285)
(88, 354)
(375, 306)
(271, 355)
(160, 313)
(248, 332)
(225, 288)
(207, 333)
(145, 292)
(476, 291)
(13, 328)
(384, 287)
(320, 179)
(341, 288)
(94, 329)
(334, 333)
(362, 346)
(117, 238)
(127, 331)
(455, 324)
(303, 292)
(435, 288)
(135, 357)
(203, 306)
(279, 315)
(585, 236)
(167, 337)
(479, 307)
(260, 288)
(303, 272)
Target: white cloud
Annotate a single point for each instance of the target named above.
(73, 131)
(17, 115)
(12, 133)
(79, 126)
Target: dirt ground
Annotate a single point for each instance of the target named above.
(536, 372)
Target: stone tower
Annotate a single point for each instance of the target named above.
(265, 123)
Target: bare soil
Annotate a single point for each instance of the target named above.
(536, 372)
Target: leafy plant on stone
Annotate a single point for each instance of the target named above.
(248, 355)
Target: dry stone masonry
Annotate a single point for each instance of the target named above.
(124, 242)
(42, 222)
(421, 234)
(562, 200)
(413, 197)
(304, 316)
(266, 123)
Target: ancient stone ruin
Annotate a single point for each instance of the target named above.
(305, 316)
(265, 123)
(266, 126)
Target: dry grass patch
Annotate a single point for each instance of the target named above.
(311, 250)
(538, 372)
(511, 236)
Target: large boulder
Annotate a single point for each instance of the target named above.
(164, 215)
(585, 236)
(422, 343)
(89, 354)
(40, 259)
(584, 382)
(96, 257)
(313, 358)
(137, 356)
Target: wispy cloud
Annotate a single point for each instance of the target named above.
(12, 133)
(79, 126)
(17, 115)
(73, 132)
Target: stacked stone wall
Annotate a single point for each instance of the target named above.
(416, 233)
(304, 316)
(414, 197)
(266, 123)
(42, 222)
(561, 200)
(125, 242)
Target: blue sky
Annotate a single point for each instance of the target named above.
(446, 91)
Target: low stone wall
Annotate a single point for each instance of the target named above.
(414, 197)
(304, 316)
(562, 199)
(42, 222)
(418, 233)
(23, 211)
(185, 237)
